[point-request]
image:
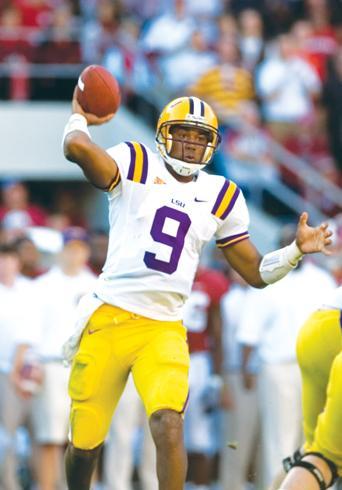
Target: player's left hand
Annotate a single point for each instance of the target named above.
(310, 239)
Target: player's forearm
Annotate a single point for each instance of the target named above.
(78, 148)
(246, 265)
(275, 265)
(259, 271)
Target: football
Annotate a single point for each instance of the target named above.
(97, 91)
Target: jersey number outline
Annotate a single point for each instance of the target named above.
(175, 242)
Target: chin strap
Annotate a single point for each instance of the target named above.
(297, 460)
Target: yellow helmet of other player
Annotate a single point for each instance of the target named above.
(187, 112)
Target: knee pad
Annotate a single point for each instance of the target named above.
(86, 431)
(297, 460)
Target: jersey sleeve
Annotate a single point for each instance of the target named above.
(230, 209)
(131, 158)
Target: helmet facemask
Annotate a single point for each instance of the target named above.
(165, 142)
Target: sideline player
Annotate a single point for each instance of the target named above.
(162, 210)
(319, 353)
(202, 319)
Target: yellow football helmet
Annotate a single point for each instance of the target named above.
(187, 111)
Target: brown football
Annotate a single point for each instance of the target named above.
(97, 91)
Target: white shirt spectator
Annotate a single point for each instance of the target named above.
(285, 87)
(58, 296)
(182, 69)
(168, 33)
(18, 320)
(272, 317)
(232, 304)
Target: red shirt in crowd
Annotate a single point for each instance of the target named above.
(208, 288)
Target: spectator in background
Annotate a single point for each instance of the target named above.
(59, 291)
(302, 32)
(323, 41)
(128, 419)
(332, 99)
(18, 330)
(319, 354)
(311, 145)
(98, 242)
(35, 13)
(100, 30)
(250, 161)
(70, 206)
(58, 221)
(169, 32)
(16, 211)
(182, 68)
(12, 40)
(251, 40)
(16, 50)
(227, 26)
(127, 62)
(146, 10)
(287, 87)
(279, 15)
(206, 14)
(241, 420)
(60, 39)
(29, 256)
(270, 322)
(202, 319)
(59, 45)
(226, 85)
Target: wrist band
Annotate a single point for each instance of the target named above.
(76, 122)
(293, 253)
(275, 265)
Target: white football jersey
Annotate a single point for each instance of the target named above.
(158, 227)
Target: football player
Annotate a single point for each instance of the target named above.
(202, 319)
(162, 210)
(319, 351)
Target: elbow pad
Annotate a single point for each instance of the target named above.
(275, 265)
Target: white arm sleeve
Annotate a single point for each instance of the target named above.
(76, 122)
(275, 265)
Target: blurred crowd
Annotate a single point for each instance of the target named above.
(269, 69)
(272, 69)
(244, 379)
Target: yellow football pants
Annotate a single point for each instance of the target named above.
(319, 352)
(114, 343)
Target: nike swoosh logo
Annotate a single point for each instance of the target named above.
(200, 200)
(90, 332)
